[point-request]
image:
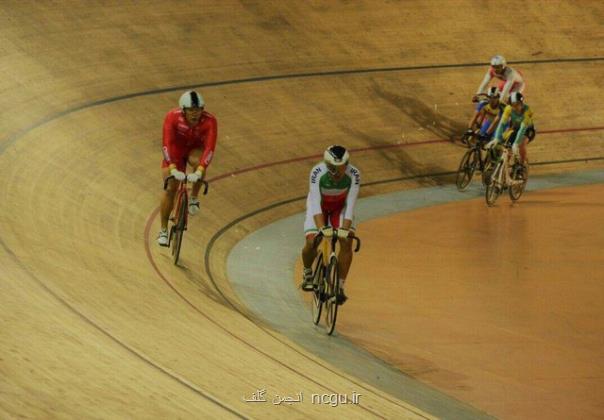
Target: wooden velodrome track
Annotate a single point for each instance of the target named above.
(95, 321)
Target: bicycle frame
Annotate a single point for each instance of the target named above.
(325, 275)
(180, 215)
(502, 178)
(501, 174)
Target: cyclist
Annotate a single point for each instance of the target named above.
(511, 80)
(189, 136)
(520, 129)
(487, 115)
(334, 187)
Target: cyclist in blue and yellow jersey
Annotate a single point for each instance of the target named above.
(520, 129)
(487, 115)
(334, 187)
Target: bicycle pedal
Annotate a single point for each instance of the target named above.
(307, 287)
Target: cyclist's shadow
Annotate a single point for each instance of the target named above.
(201, 283)
(427, 118)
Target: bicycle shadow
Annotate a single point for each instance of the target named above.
(424, 115)
(428, 119)
(202, 284)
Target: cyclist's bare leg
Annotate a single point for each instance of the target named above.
(167, 201)
(522, 149)
(309, 253)
(194, 163)
(344, 258)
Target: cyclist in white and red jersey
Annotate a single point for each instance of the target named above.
(189, 136)
(334, 187)
(511, 80)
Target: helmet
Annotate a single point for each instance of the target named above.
(191, 99)
(336, 155)
(516, 97)
(493, 92)
(498, 60)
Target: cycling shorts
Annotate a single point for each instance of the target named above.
(333, 218)
(180, 156)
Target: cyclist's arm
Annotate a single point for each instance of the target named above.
(493, 125)
(485, 81)
(478, 115)
(353, 193)
(314, 196)
(168, 139)
(504, 119)
(209, 143)
(526, 123)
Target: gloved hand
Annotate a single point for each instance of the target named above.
(483, 137)
(327, 231)
(491, 144)
(178, 175)
(343, 233)
(196, 176)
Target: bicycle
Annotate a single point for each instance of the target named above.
(472, 160)
(180, 215)
(504, 177)
(326, 280)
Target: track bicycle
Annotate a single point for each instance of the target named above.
(180, 215)
(326, 279)
(474, 159)
(504, 177)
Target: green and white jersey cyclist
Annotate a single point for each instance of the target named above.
(333, 191)
(332, 194)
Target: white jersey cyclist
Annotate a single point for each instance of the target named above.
(511, 80)
(334, 198)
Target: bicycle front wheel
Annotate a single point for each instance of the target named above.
(493, 187)
(318, 292)
(333, 290)
(487, 170)
(179, 227)
(518, 184)
(467, 166)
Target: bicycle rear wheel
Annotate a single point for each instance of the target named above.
(179, 226)
(493, 187)
(333, 289)
(319, 288)
(467, 166)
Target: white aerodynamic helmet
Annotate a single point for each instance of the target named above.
(336, 155)
(498, 60)
(516, 97)
(191, 99)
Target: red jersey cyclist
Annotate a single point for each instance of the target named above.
(189, 136)
(334, 187)
(511, 80)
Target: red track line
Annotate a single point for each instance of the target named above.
(379, 147)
